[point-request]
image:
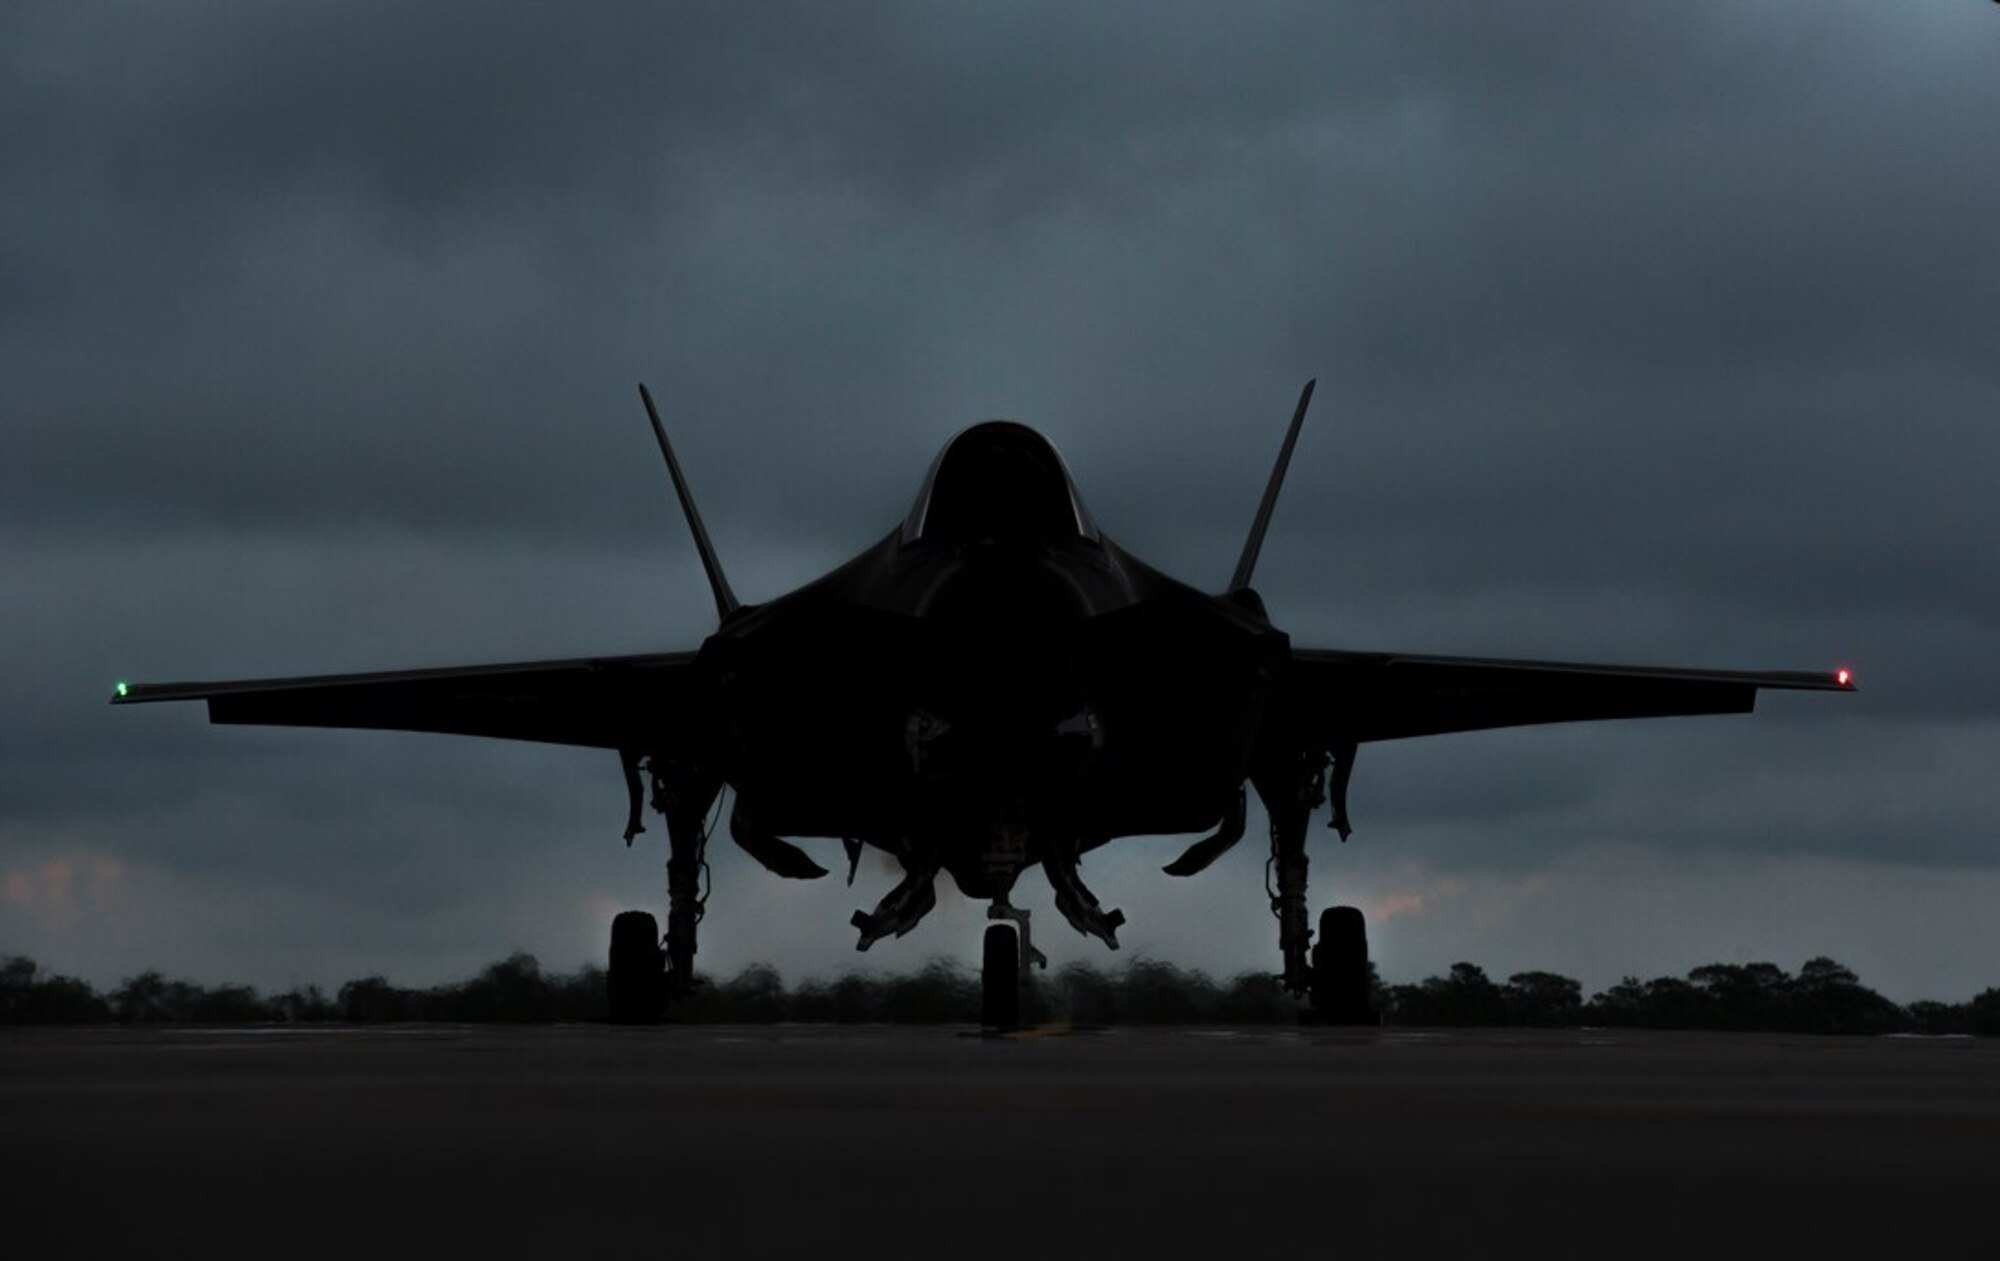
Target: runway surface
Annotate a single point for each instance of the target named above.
(712, 1142)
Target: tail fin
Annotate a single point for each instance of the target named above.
(725, 599)
(1255, 543)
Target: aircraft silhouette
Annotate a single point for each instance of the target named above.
(993, 685)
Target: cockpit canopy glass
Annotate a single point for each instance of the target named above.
(998, 481)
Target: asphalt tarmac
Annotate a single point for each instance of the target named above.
(893, 1142)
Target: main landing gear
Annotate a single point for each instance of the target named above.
(647, 971)
(636, 981)
(1334, 974)
(1339, 982)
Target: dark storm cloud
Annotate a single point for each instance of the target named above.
(1656, 333)
(395, 244)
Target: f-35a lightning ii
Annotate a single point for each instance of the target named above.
(993, 686)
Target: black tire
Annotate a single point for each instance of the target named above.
(1000, 979)
(635, 985)
(1340, 989)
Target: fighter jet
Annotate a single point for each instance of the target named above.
(995, 685)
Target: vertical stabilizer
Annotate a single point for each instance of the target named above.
(1255, 543)
(725, 599)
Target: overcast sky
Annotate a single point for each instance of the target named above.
(1660, 334)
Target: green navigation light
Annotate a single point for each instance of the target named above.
(123, 687)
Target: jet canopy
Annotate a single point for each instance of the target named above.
(998, 481)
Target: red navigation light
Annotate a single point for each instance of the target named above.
(1841, 676)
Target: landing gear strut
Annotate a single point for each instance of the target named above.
(683, 793)
(1290, 792)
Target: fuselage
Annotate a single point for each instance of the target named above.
(992, 677)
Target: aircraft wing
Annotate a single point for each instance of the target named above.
(1366, 696)
(600, 702)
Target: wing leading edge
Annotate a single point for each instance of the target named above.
(598, 702)
(1364, 696)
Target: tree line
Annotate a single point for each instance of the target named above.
(1822, 997)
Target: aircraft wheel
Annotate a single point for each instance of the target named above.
(1340, 969)
(636, 981)
(1000, 979)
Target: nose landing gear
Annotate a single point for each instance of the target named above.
(1007, 956)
